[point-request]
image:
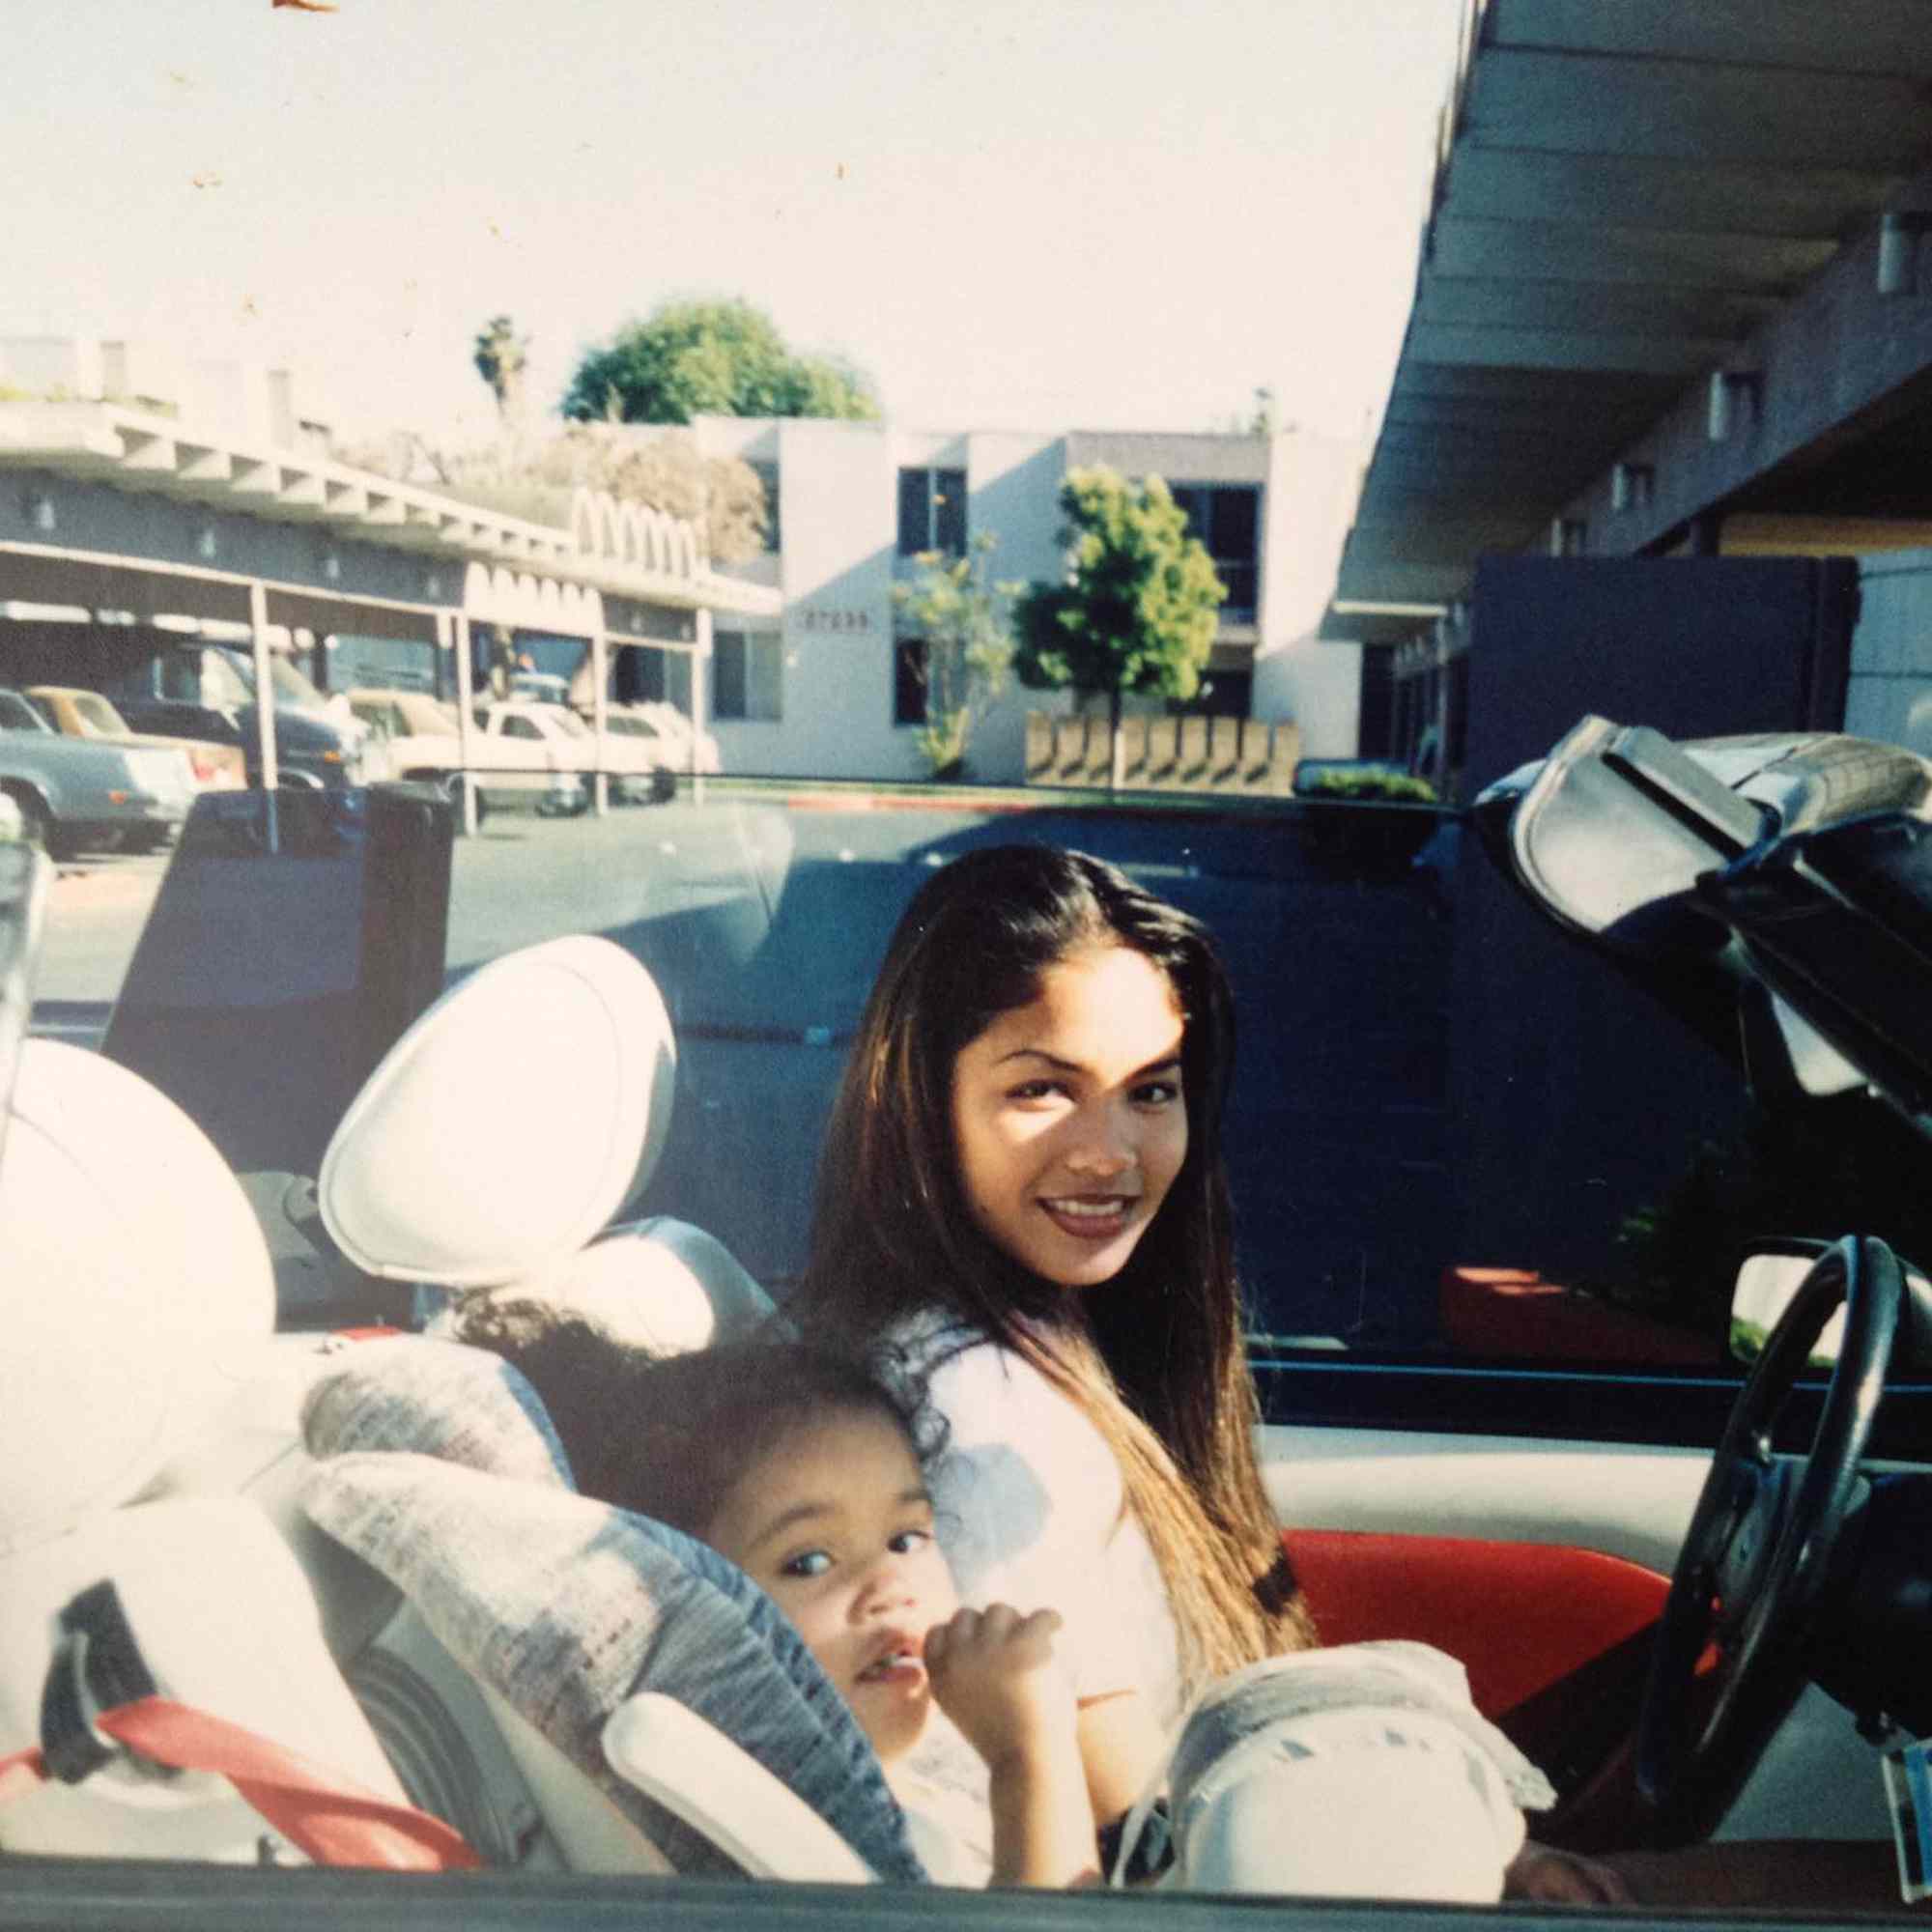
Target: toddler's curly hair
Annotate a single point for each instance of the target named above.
(669, 1436)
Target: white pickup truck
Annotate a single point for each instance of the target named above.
(508, 772)
(636, 773)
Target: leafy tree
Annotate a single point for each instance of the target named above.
(500, 356)
(1136, 609)
(966, 621)
(689, 358)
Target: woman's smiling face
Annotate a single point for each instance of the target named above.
(1067, 1116)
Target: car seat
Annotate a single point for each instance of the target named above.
(576, 1620)
(494, 1151)
(159, 1657)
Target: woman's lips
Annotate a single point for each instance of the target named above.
(1090, 1217)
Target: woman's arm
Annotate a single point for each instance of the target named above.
(1121, 1749)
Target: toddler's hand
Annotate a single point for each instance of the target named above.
(996, 1676)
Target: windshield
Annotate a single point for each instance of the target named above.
(96, 716)
(18, 714)
(291, 686)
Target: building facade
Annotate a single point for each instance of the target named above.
(831, 684)
(144, 503)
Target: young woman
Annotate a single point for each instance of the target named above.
(1022, 1180)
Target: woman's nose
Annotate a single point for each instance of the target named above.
(1104, 1142)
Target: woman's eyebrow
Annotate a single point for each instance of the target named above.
(1039, 1053)
(1166, 1063)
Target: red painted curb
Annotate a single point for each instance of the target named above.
(872, 802)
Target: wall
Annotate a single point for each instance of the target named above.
(1891, 688)
(838, 486)
(1229, 757)
(839, 515)
(1311, 496)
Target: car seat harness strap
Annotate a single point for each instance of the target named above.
(100, 1705)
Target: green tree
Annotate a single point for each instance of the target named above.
(725, 359)
(500, 356)
(1136, 609)
(966, 620)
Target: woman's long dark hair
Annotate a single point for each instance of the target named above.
(1154, 1356)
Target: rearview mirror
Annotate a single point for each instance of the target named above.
(1767, 1282)
(1766, 1286)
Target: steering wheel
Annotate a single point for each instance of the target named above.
(1757, 1562)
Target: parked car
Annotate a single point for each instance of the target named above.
(539, 687)
(74, 796)
(636, 774)
(190, 688)
(86, 714)
(422, 739)
(670, 735)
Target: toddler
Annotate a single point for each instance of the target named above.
(807, 1470)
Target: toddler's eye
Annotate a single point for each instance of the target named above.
(807, 1563)
(906, 1540)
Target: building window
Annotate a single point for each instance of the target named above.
(933, 511)
(748, 676)
(1226, 518)
(909, 663)
(767, 474)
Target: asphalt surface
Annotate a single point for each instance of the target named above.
(763, 922)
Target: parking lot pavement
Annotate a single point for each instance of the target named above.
(96, 910)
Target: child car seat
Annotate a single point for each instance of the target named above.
(436, 1463)
(489, 1152)
(137, 1300)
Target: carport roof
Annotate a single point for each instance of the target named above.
(1629, 197)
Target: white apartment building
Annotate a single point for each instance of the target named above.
(829, 686)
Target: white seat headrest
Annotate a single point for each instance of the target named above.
(509, 1124)
(660, 1285)
(136, 1288)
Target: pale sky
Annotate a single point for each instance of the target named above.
(1012, 213)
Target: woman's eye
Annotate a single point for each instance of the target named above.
(1158, 1093)
(1035, 1090)
(807, 1563)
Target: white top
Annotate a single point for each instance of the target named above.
(1029, 1512)
(952, 1835)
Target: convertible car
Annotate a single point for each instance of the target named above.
(286, 1580)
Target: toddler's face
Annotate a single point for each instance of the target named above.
(835, 1525)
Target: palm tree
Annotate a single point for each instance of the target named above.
(500, 356)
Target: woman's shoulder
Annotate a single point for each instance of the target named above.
(964, 1367)
(1006, 1419)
